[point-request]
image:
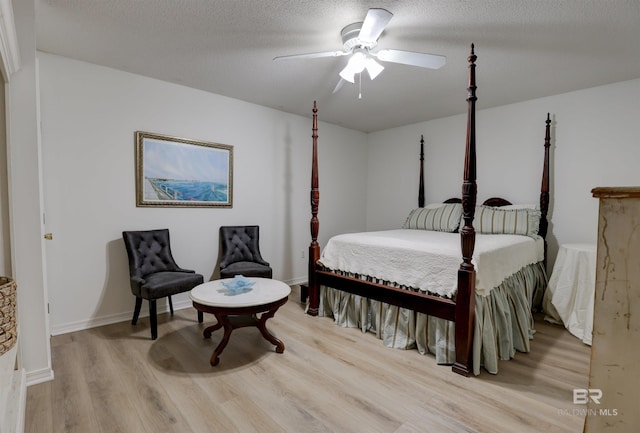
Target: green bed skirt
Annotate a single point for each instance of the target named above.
(503, 321)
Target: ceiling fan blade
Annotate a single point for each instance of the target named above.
(312, 55)
(374, 24)
(338, 86)
(423, 60)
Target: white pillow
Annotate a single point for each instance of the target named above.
(443, 218)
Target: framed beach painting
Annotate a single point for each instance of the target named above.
(172, 171)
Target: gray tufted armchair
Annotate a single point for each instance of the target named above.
(240, 251)
(154, 273)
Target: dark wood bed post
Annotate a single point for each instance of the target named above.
(544, 188)
(421, 182)
(465, 298)
(314, 247)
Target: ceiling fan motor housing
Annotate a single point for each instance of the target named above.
(350, 37)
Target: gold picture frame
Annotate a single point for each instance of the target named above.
(180, 172)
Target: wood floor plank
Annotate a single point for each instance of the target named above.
(144, 383)
(186, 377)
(70, 394)
(107, 390)
(329, 379)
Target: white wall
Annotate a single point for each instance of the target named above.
(594, 143)
(90, 113)
(89, 116)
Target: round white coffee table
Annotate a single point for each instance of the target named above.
(237, 310)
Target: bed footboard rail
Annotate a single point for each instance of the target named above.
(414, 300)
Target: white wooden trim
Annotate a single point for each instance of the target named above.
(9, 52)
(13, 396)
(39, 376)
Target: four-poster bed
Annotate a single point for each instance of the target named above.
(456, 305)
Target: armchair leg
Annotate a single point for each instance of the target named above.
(136, 311)
(200, 316)
(170, 304)
(153, 319)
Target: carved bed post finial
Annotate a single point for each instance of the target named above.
(469, 187)
(421, 182)
(465, 297)
(544, 188)
(314, 247)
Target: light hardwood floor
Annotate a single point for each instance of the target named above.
(329, 379)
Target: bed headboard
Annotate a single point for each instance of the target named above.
(499, 201)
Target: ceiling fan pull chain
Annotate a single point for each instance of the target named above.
(360, 85)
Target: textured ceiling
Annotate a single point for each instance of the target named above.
(526, 49)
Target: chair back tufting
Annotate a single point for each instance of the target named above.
(149, 252)
(240, 244)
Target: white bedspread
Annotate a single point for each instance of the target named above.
(429, 260)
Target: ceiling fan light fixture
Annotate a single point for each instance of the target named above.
(348, 75)
(355, 65)
(358, 62)
(373, 68)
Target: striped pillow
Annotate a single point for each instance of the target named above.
(494, 220)
(442, 218)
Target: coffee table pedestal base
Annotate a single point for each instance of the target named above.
(234, 318)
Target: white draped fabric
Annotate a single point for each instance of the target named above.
(570, 294)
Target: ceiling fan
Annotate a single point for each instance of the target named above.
(359, 39)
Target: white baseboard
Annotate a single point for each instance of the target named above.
(297, 281)
(94, 322)
(39, 376)
(109, 319)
